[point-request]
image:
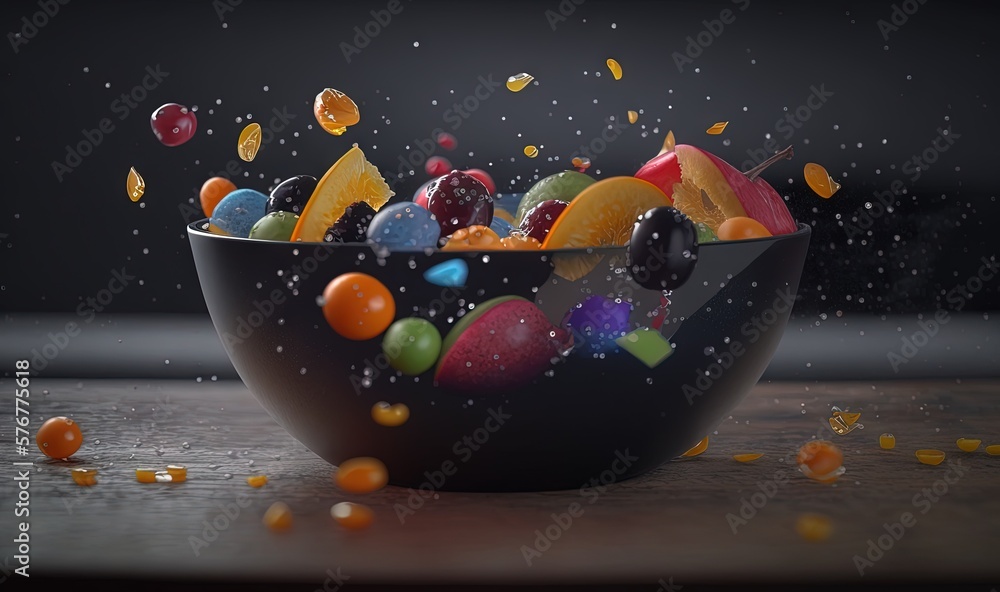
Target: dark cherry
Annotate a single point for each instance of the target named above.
(458, 201)
(663, 250)
(539, 219)
(352, 227)
(292, 194)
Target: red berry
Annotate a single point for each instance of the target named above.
(458, 201)
(539, 219)
(437, 166)
(447, 141)
(173, 124)
(484, 178)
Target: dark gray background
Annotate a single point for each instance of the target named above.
(63, 239)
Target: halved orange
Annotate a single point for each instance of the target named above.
(351, 179)
(603, 214)
(704, 194)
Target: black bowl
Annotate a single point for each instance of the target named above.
(584, 419)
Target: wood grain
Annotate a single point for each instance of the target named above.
(669, 524)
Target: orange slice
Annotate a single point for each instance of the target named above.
(350, 179)
(704, 194)
(602, 215)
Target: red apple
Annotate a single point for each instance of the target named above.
(662, 171)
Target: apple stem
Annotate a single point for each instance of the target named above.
(757, 170)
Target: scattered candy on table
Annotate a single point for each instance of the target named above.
(361, 475)
(84, 477)
(929, 456)
(278, 517)
(257, 481)
(352, 516)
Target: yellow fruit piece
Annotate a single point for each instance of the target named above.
(930, 457)
(520, 242)
(704, 194)
(602, 215)
(145, 475)
(178, 473)
(819, 180)
(633, 116)
(615, 67)
(747, 457)
(257, 480)
(504, 215)
(278, 516)
(717, 128)
(134, 185)
(352, 516)
(814, 527)
(390, 416)
(669, 143)
(84, 477)
(698, 448)
(887, 441)
(968, 444)
(993, 450)
(350, 179)
(249, 142)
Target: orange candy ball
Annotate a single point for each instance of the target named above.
(358, 306)
(740, 228)
(212, 193)
(352, 516)
(59, 437)
(361, 475)
(820, 460)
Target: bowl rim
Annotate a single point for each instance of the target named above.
(199, 227)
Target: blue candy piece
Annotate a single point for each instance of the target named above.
(502, 227)
(450, 274)
(239, 211)
(596, 323)
(404, 226)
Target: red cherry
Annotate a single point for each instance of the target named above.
(420, 197)
(539, 219)
(458, 201)
(447, 141)
(484, 178)
(437, 166)
(173, 124)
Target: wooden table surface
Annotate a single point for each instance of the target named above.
(674, 525)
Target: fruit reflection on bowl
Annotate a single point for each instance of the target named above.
(520, 397)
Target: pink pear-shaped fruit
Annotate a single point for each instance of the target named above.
(732, 190)
(502, 348)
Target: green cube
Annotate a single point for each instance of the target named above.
(649, 346)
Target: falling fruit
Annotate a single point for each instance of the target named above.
(335, 111)
(361, 475)
(351, 179)
(390, 416)
(668, 143)
(615, 67)
(581, 163)
(821, 460)
(819, 180)
(633, 116)
(531, 151)
(717, 128)
(135, 186)
(517, 82)
(249, 142)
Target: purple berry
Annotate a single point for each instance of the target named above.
(458, 201)
(539, 219)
